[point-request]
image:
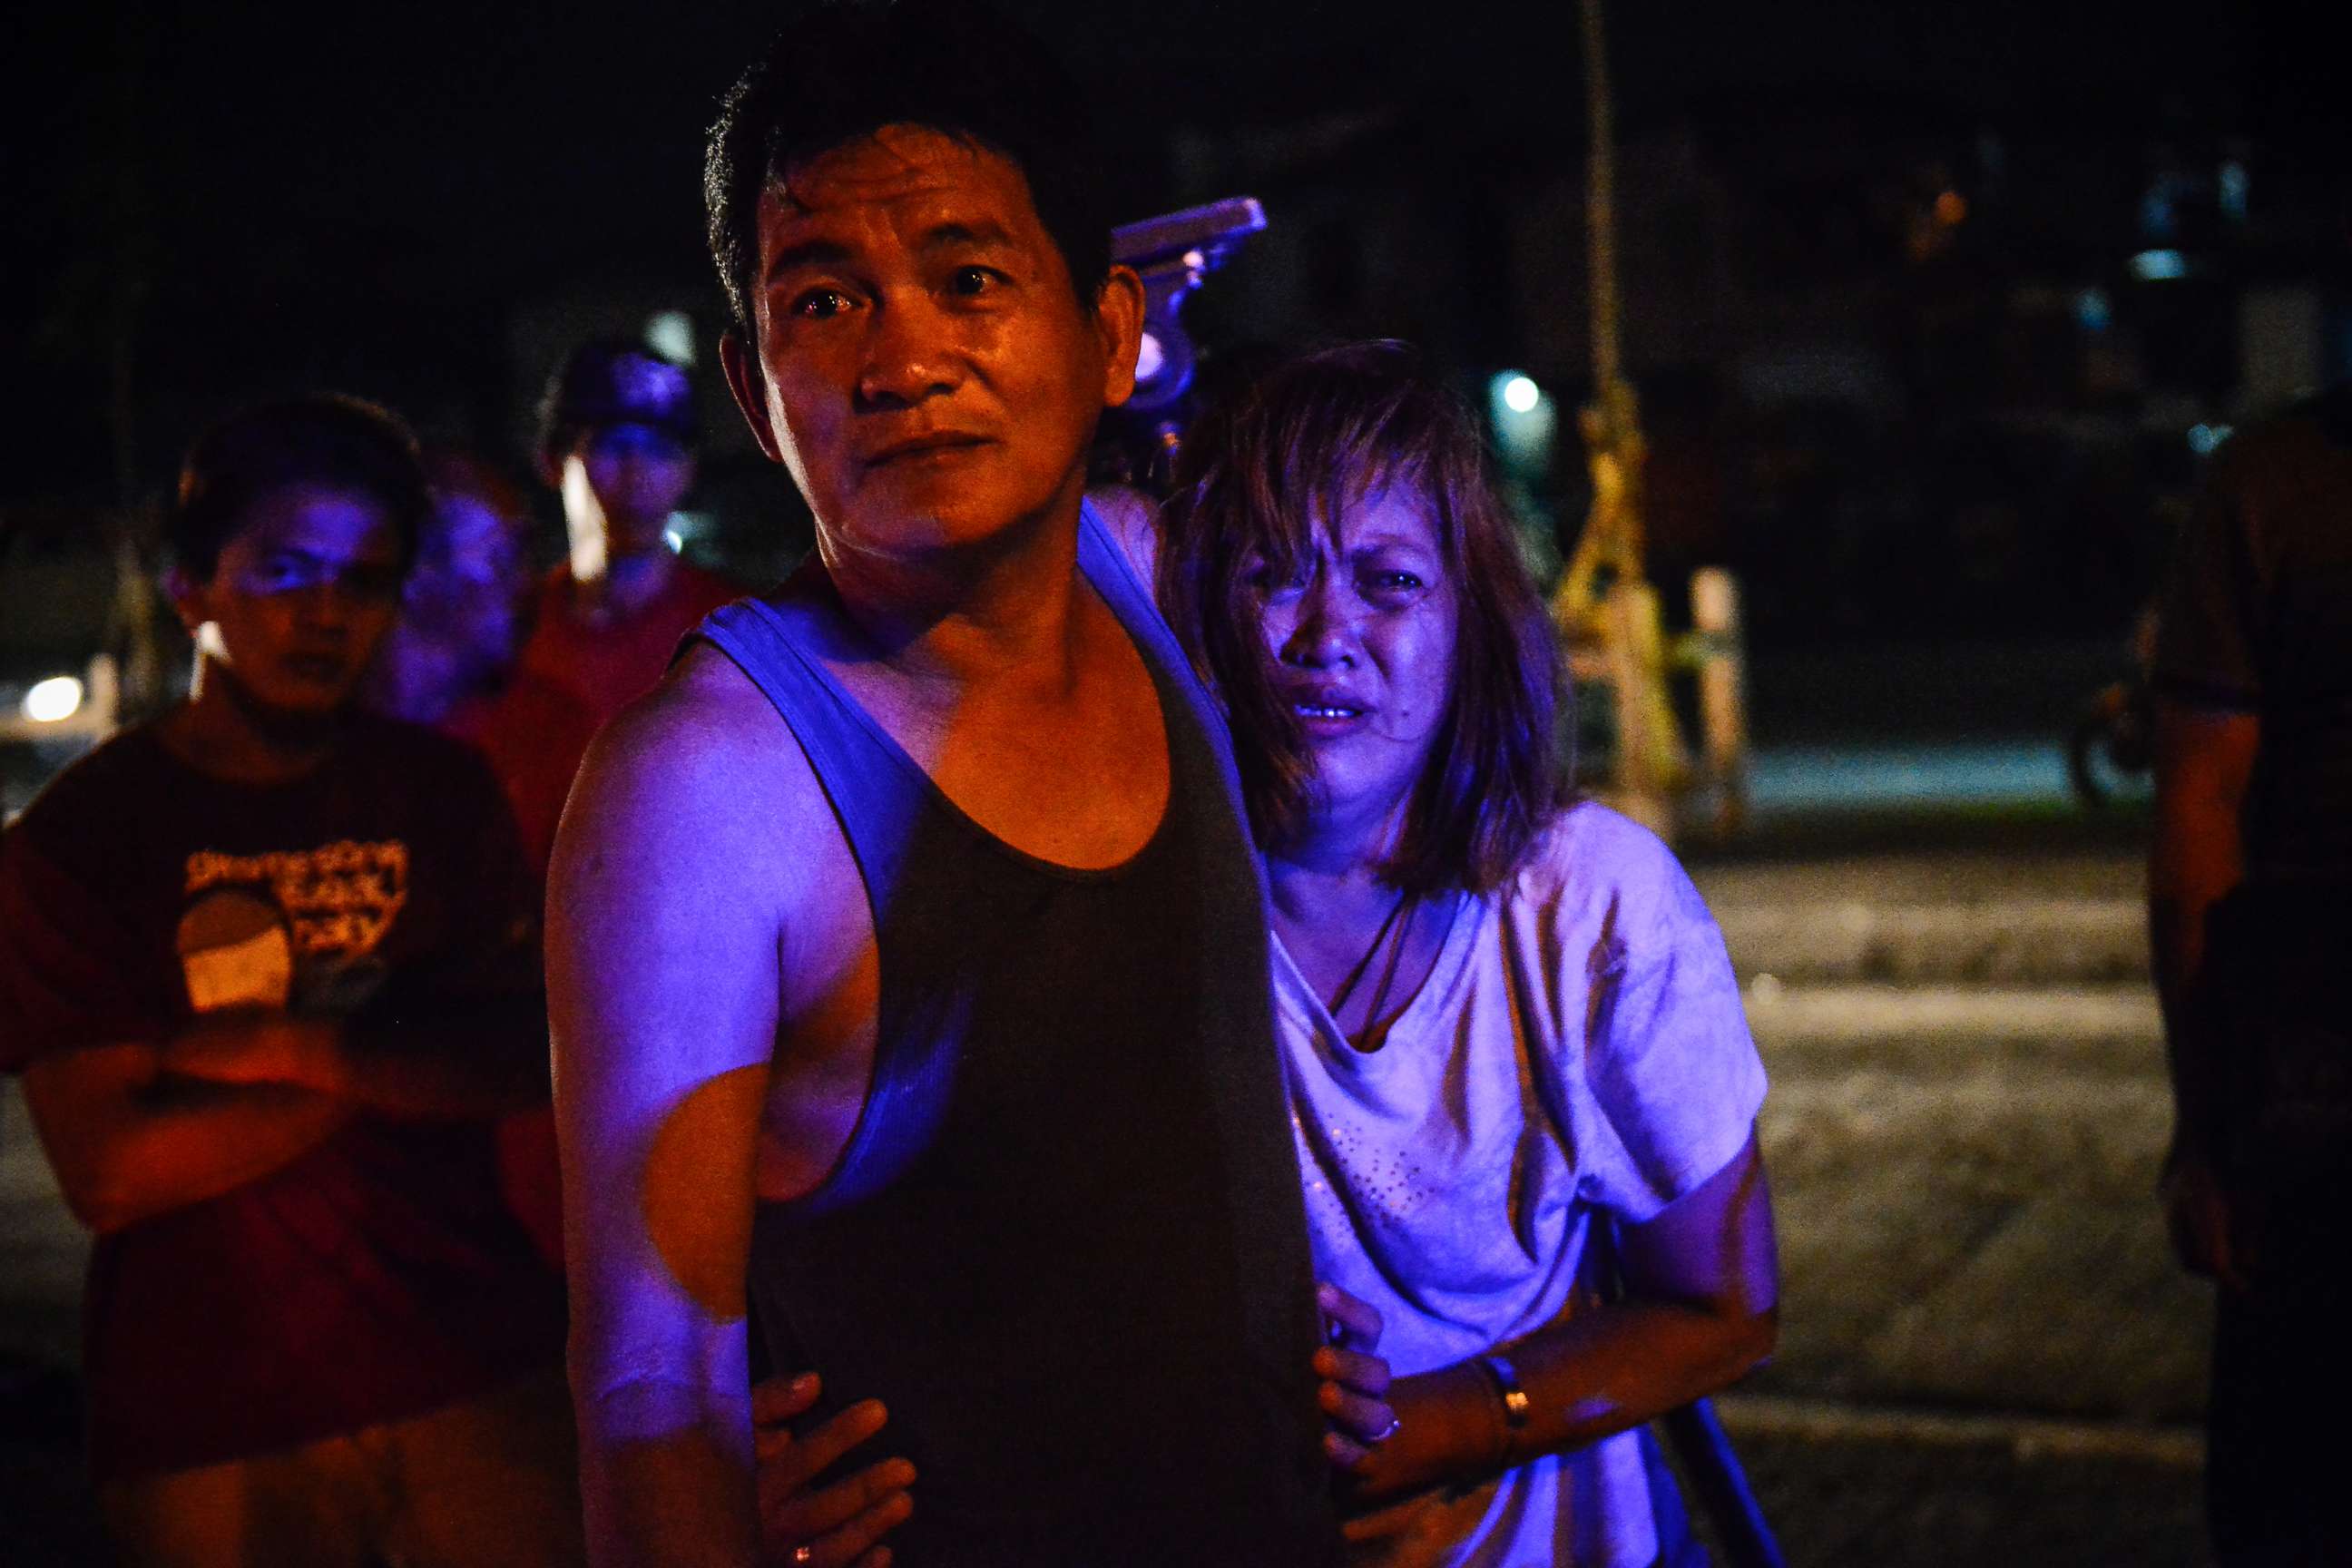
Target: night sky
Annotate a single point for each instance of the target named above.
(359, 196)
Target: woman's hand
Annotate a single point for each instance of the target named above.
(1699, 1312)
(841, 1523)
(1355, 1381)
(1448, 1429)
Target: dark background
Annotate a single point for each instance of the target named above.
(1897, 369)
(1891, 428)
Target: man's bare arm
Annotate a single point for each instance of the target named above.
(2204, 765)
(663, 941)
(2204, 762)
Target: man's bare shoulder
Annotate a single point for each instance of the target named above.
(699, 770)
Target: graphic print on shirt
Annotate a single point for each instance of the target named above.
(291, 928)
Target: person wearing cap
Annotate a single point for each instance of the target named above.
(617, 441)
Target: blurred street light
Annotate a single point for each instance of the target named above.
(54, 700)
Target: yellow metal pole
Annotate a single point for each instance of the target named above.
(1620, 619)
(1601, 217)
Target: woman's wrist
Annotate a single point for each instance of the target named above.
(1472, 1438)
(1506, 1405)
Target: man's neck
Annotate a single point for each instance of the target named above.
(223, 732)
(995, 615)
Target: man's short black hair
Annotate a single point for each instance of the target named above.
(321, 439)
(842, 69)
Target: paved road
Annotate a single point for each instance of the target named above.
(1986, 1354)
(44, 1508)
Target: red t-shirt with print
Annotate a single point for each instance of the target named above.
(378, 1275)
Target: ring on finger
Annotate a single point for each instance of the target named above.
(1389, 1431)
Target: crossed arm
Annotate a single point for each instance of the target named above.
(137, 1128)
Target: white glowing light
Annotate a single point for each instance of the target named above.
(1524, 420)
(670, 333)
(53, 701)
(1150, 359)
(2157, 266)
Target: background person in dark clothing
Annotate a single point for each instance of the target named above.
(2250, 911)
(271, 962)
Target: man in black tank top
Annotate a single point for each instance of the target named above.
(907, 953)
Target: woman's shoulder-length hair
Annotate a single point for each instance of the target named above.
(1279, 461)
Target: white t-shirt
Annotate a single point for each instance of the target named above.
(1577, 1053)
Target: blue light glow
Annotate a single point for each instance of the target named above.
(2157, 266)
(2232, 184)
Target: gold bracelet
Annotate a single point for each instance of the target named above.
(1509, 1396)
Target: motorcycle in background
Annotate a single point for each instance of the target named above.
(2112, 742)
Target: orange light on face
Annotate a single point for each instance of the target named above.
(1950, 208)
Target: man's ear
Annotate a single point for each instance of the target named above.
(750, 389)
(1118, 318)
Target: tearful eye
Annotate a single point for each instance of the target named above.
(1265, 577)
(819, 304)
